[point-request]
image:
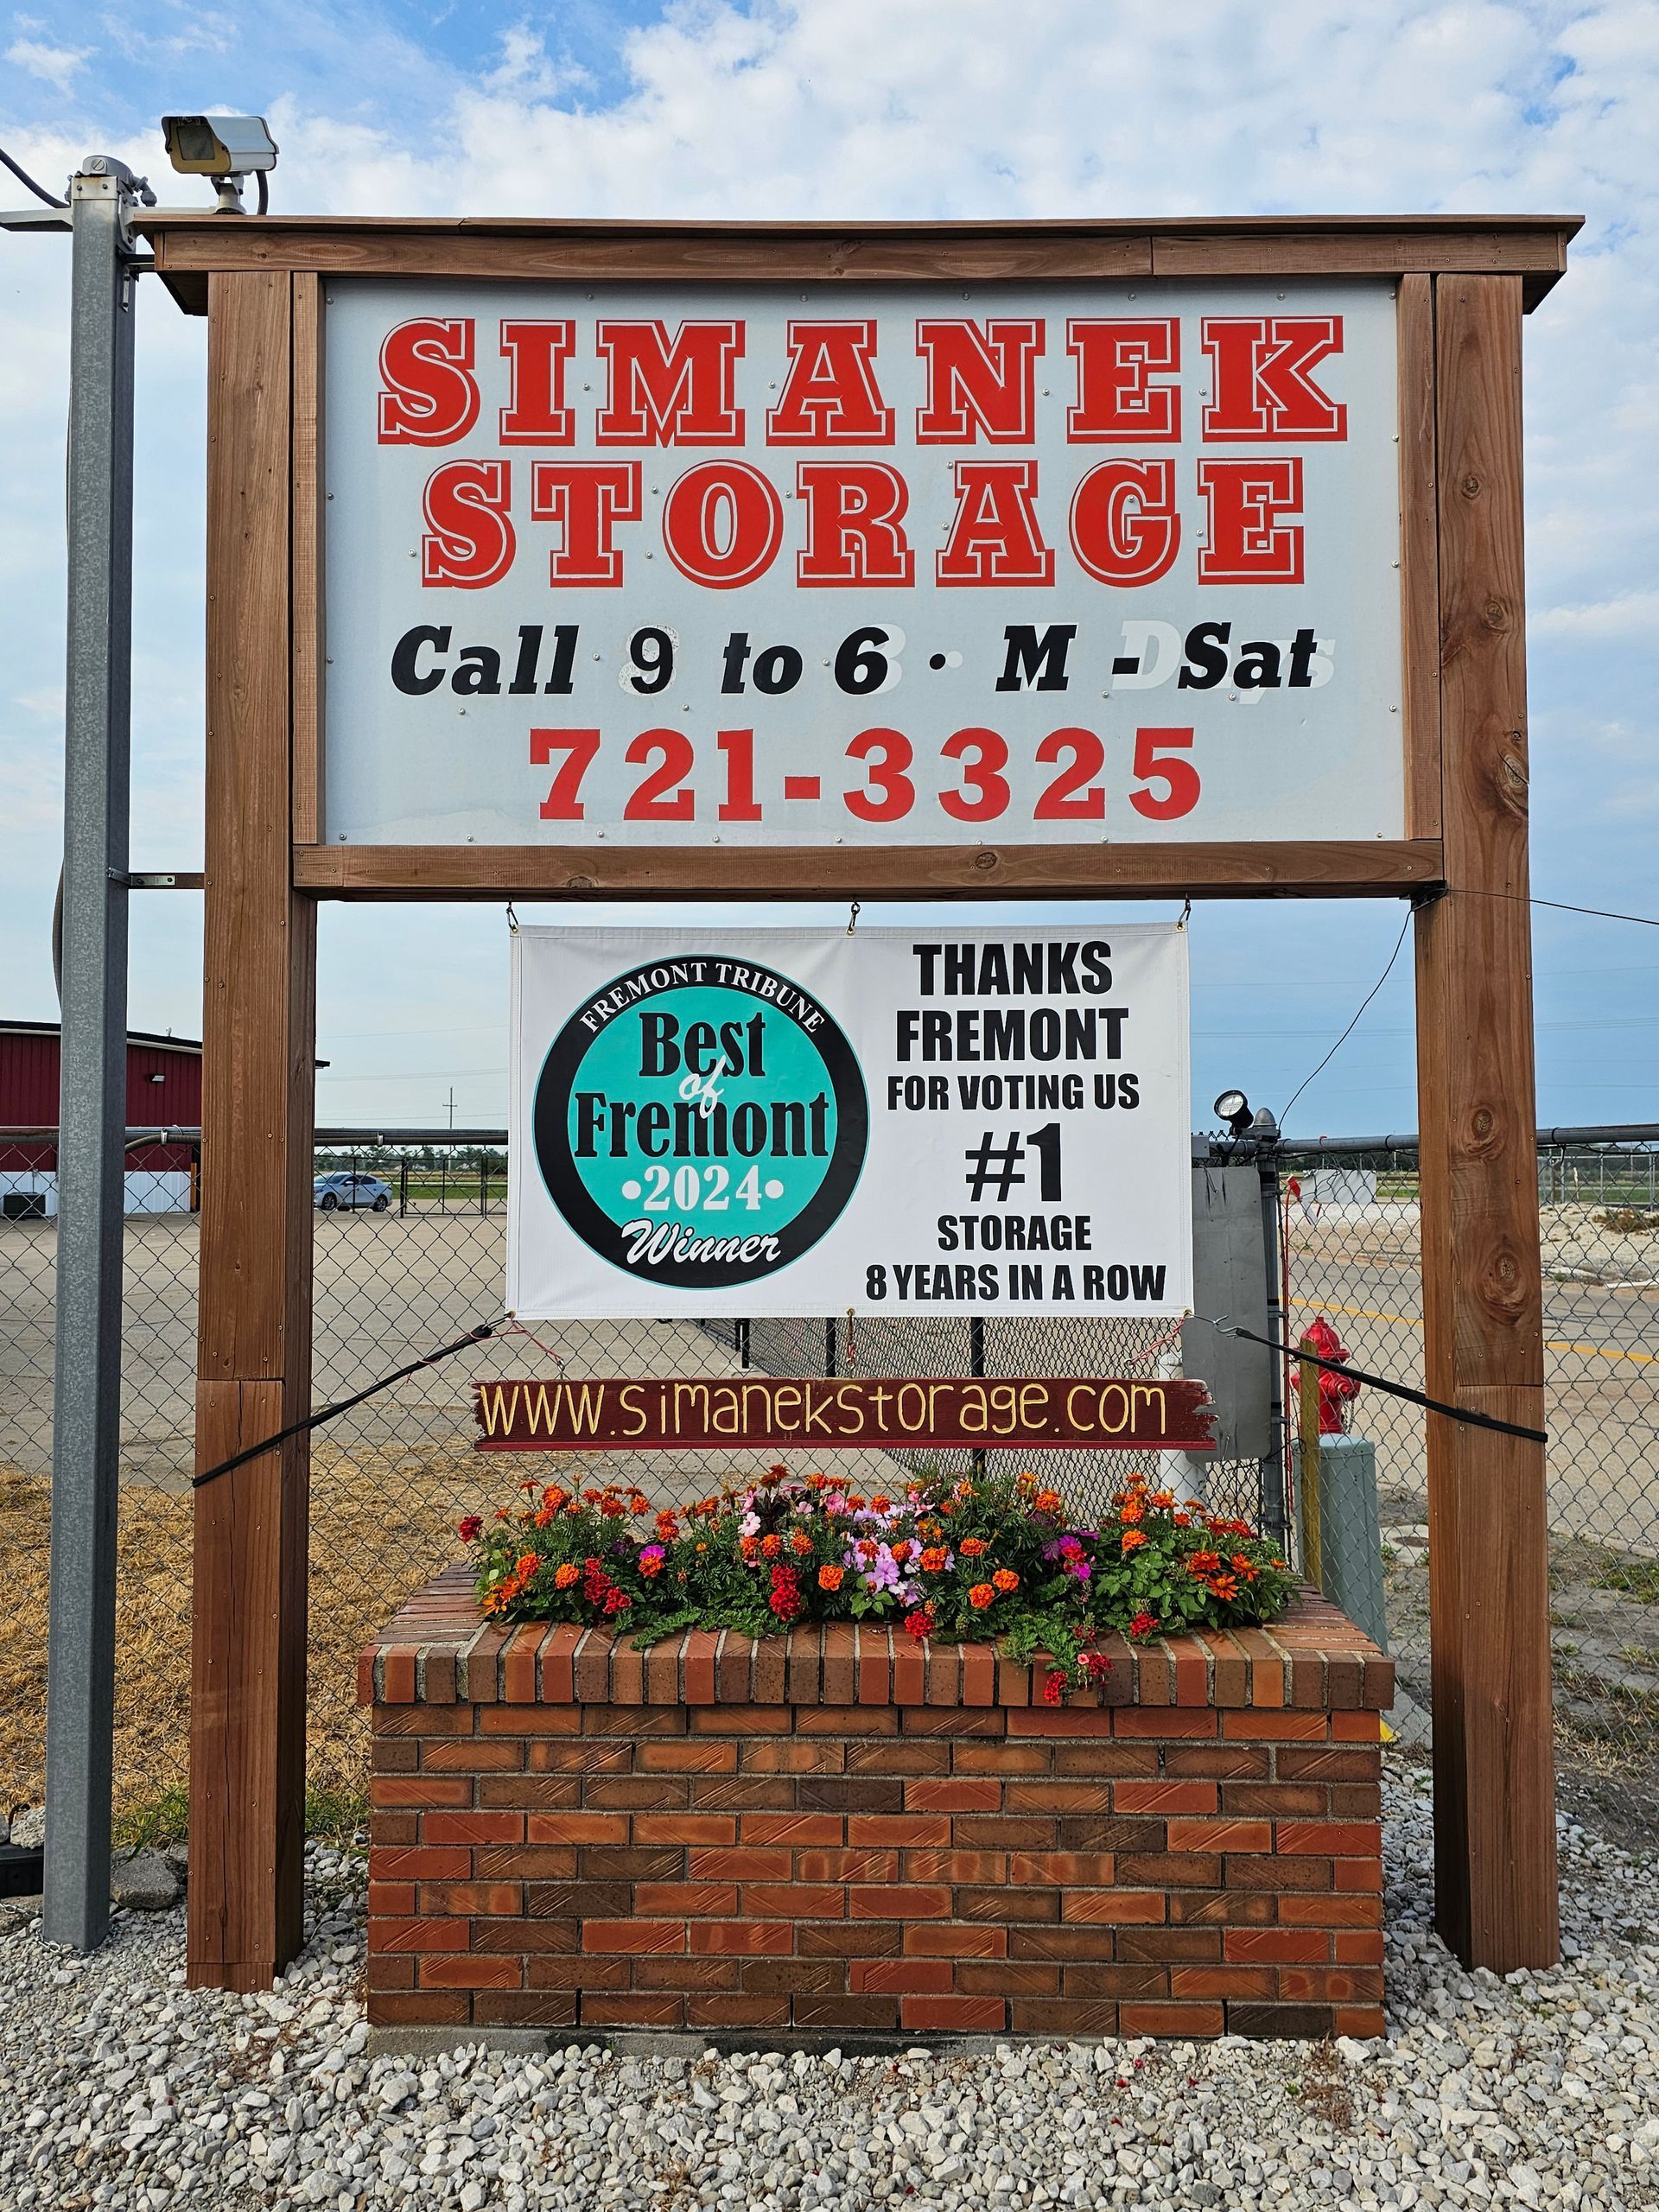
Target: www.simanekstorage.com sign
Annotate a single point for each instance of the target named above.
(764, 1122)
(774, 565)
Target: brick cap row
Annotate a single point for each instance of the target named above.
(440, 1651)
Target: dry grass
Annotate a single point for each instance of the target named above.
(381, 1524)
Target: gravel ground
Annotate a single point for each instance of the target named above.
(120, 2089)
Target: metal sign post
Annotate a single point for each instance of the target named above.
(86, 1410)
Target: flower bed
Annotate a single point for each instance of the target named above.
(843, 1830)
(948, 1560)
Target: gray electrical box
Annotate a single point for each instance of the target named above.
(1229, 1282)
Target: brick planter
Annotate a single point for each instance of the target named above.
(835, 1831)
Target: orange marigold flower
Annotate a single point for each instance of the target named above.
(1203, 1564)
(830, 1577)
(933, 1560)
(973, 1546)
(800, 1541)
(702, 1547)
(1163, 1499)
(1131, 1511)
(1133, 1539)
(854, 1502)
(527, 1564)
(771, 1546)
(565, 1573)
(881, 1503)
(749, 1549)
(1047, 1501)
(902, 1549)
(1182, 1520)
(981, 1595)
(1006, 1580)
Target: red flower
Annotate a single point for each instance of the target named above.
(785, 1600)
(1053, 1688)
(1143, 1624)
(471, 1529)
(919, 1622)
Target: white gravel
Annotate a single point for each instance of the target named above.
(120, 2089)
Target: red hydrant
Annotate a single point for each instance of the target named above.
(1334, 1389)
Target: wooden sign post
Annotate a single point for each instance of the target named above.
(1123, 453)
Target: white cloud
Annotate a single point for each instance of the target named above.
(54, 65)
(1632, 615)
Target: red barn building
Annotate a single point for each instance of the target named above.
(163, 1094)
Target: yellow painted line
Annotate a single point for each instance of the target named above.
(1603, 1351)
(1357, 1312)
(1552, 1343)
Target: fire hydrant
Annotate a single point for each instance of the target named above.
(1335, 1391)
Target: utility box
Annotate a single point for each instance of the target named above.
(1350, 1565)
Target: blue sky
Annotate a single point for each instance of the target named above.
(866, 108)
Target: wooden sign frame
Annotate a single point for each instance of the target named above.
(1463, 286)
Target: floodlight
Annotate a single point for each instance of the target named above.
(227, 147)
(1234, 1107)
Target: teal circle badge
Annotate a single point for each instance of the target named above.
(701, 1122)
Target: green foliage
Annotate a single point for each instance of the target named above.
(332, 1815)
(155, 1822)
(990, 1560)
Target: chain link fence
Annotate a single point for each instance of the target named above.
(1352, 1255)
(410, 1254)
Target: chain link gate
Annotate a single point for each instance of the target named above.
(390, 1479)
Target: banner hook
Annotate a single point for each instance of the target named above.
(852, 918)
(512, 920)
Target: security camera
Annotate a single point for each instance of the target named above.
(227, 147)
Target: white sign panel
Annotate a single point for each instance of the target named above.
(933, 1121)
(883, 564)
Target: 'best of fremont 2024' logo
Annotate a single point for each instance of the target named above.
(701, 1119)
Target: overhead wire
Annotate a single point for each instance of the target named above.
(25, 178)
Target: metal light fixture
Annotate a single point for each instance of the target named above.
(1234, 1108)
(228, 148)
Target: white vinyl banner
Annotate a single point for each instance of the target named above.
(764, 1122)
(805, 565)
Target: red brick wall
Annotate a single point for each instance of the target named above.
(834, 1832)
